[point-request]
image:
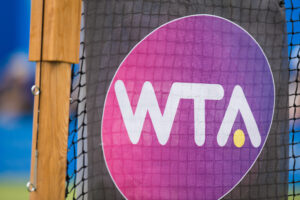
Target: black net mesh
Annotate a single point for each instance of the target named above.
(109, 31)
(293, 24)
(76, 186)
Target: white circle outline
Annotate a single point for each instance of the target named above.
(174, 20)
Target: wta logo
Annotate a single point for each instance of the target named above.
(188, 111)
(199, 93)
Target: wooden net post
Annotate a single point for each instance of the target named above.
(54, 45)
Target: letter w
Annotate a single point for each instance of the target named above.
(147, 102)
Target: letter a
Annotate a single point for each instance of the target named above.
(238, 102)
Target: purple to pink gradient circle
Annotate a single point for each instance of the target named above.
(193, 49)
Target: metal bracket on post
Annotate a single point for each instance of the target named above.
(35, 90)
(31, 187)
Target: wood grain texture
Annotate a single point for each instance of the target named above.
(35, 29)
(53, 131)
(61, 30)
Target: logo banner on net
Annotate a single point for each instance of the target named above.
(188, 111)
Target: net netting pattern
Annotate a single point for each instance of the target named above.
(111, 28)
(293, 25)
(76, 186)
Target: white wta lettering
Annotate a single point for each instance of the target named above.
(198, 92)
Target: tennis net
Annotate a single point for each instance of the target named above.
(110, 29)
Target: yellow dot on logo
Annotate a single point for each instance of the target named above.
(239, 138)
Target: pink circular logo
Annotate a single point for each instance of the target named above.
(188, 111)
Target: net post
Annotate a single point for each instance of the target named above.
(55, 30)
(54, 45)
